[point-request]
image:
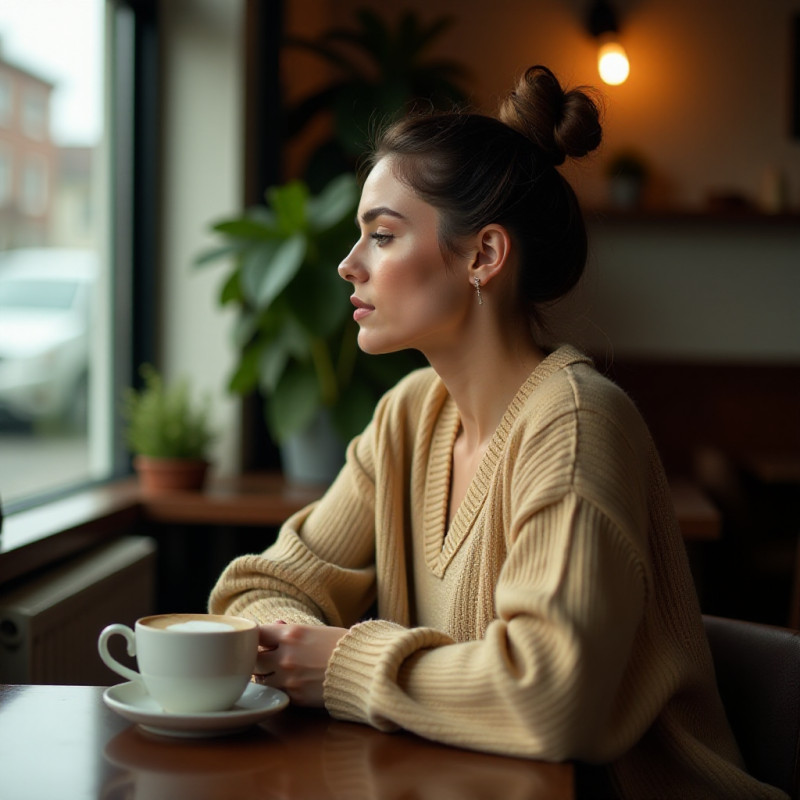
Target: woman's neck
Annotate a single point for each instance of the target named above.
(484, 375)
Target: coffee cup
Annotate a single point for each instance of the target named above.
(189, 663)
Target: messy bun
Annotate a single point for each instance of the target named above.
(476, 170)
(559, 123)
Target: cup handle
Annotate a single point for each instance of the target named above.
(110, 661)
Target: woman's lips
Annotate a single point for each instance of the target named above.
(362, 308)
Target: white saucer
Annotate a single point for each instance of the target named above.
(131, 701)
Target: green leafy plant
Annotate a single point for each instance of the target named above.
(294, 329)
(165, 421)
(380, 72)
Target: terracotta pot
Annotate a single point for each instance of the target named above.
(165, 475)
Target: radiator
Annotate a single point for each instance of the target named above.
(49, 625)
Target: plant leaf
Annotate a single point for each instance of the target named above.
(217, 253)
(231, 291)
(296, 339)
(244, 327)
(337, 201)
(353, 410)
(256, 262)
(289, 204)
(284, 264)
(293, 404)
(320, 302)
(271, 364)
(245, 378)
(245, 228)
(325, 51)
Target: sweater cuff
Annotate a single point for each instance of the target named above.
(364, 678)
(269, 610)
(353, 668)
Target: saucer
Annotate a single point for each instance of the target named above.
(132, 701)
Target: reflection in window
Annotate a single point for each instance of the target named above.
(54, 275)
(34, 111)
(6, 175)
(33, 194)
(26, 295)
(6, 100)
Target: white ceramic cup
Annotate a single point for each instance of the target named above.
(189, 663)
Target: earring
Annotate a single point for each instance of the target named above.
(478, 290)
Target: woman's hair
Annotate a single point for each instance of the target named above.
(476, 170)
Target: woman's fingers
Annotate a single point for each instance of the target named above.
(294, 658)
(268, 641)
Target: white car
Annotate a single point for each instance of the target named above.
(46, 298)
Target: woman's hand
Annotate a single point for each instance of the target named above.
(294, 658)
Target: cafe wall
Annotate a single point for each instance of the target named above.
(707, 104)
(202, 174)
(707, 101)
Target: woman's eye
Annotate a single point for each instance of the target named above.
(381, 238)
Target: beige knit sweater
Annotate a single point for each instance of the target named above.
(556, 618)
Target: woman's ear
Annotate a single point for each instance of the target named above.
(492, 251)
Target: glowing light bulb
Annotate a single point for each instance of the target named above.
(612, 63)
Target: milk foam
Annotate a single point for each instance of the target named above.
(201, 626)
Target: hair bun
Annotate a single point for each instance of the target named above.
(559, 123)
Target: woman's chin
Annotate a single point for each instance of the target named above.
(370, 345)
(376, 347)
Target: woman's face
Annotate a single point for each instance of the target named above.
(405, 295)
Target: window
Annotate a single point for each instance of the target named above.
(6, 99)
(34, 113)
(6, 175)
(66, 211)
(33, 191)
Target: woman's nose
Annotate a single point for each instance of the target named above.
(348, 269)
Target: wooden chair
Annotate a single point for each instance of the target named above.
(758, 674)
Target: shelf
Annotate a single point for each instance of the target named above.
(34, 539)
(602, 216)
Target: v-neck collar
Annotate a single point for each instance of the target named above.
(440, 543)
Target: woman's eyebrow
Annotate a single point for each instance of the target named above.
(379, 211)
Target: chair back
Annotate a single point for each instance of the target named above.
(758, 674)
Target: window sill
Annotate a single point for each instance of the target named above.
(40, 536)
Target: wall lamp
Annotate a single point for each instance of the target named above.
(612, 60)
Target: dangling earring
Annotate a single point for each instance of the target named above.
(478, 290)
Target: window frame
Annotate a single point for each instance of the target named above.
(133, 158)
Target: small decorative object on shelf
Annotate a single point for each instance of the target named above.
(774, 195)
(169, 434)
(627, 175)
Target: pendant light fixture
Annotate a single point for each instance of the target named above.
(612, 60)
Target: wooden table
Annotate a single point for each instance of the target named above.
(62, 742)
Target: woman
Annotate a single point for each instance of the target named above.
(505, 508)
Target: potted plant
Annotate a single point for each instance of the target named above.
(627, 173)
(379, 71)
(294, 329)
(169, 434)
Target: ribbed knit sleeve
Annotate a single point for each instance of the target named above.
(321, 569)
(541, 682)
(323, 566)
